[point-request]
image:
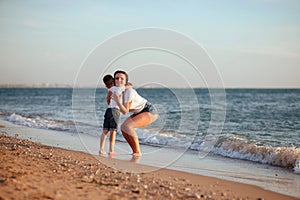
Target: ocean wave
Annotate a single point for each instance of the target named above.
(164, 138)
(241, 148)
(2, 113)
(297, 166)
(231, 145)
(42, 123)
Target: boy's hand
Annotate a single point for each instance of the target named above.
(128, 85)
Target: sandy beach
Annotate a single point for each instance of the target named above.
(34, 171)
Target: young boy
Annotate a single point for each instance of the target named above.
(112, 114)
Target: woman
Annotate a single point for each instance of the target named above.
(143, 112)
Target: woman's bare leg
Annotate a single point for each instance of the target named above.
(133, 122)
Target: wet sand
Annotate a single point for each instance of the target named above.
(30, 170)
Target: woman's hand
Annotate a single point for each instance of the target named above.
(123, 108)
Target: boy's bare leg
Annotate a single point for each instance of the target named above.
(102, 141)
(112, 140)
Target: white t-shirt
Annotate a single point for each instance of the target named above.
(137, 102)
(118, 91)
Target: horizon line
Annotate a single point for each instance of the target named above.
(44, 85)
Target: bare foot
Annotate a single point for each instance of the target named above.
(112, 153)
(135, 159)
(102, 152)
(137, 154)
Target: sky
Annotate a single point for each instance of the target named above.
(253, 43)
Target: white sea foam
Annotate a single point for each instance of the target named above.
(232, 146)
(235, 147)
(164, 138)
(297, 167)
(38, 122)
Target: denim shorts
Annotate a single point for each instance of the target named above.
(111, 119)
(148, 108)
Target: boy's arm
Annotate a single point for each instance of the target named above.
(108, 97)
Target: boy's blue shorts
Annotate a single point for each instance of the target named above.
(111, 119)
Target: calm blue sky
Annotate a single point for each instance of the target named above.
(254, 43)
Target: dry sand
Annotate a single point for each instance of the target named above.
(33, 171)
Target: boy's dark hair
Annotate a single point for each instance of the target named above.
(108, 79)
(121, 72)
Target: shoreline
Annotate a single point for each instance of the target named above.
(28, 167)
(266, 177)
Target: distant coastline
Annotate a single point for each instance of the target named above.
(57, 85)
(42, 85)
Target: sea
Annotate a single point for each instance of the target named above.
(256, 125)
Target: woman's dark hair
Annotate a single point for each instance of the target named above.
(121, 72)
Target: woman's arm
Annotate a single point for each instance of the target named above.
(124, 108)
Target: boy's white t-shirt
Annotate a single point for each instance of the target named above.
(118, 91)
(137, 102)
